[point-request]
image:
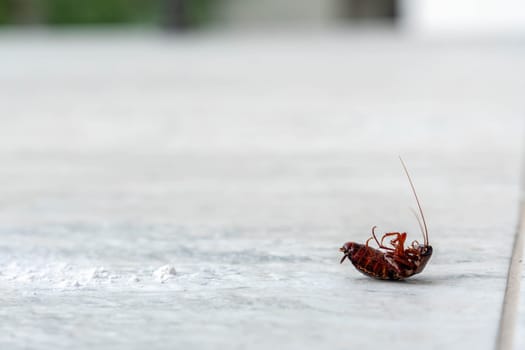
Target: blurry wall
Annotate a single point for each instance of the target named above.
(304, 11)
(483, 17)
(260, 12)
(58, 12)
(181, 14)
(419, 16)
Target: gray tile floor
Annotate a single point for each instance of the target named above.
(245, 161)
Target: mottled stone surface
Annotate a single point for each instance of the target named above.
(244, 162)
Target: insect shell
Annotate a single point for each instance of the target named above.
(393, 262)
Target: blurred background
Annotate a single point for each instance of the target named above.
(188, 13)
(486, 16)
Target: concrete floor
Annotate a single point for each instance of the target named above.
(245, 162)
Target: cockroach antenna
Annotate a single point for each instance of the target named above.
(425, 236)
(418, 221)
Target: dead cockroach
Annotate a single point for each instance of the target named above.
(395, 262)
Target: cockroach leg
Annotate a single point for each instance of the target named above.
(379, 244)
(398, 243)
(374, 235)
(399, 240)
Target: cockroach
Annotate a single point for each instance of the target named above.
(394, 262)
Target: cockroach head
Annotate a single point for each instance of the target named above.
(425, 250)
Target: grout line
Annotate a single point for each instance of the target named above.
(509, 312)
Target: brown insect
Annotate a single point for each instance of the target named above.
(393, 262)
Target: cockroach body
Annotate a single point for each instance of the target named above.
(393, 262)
